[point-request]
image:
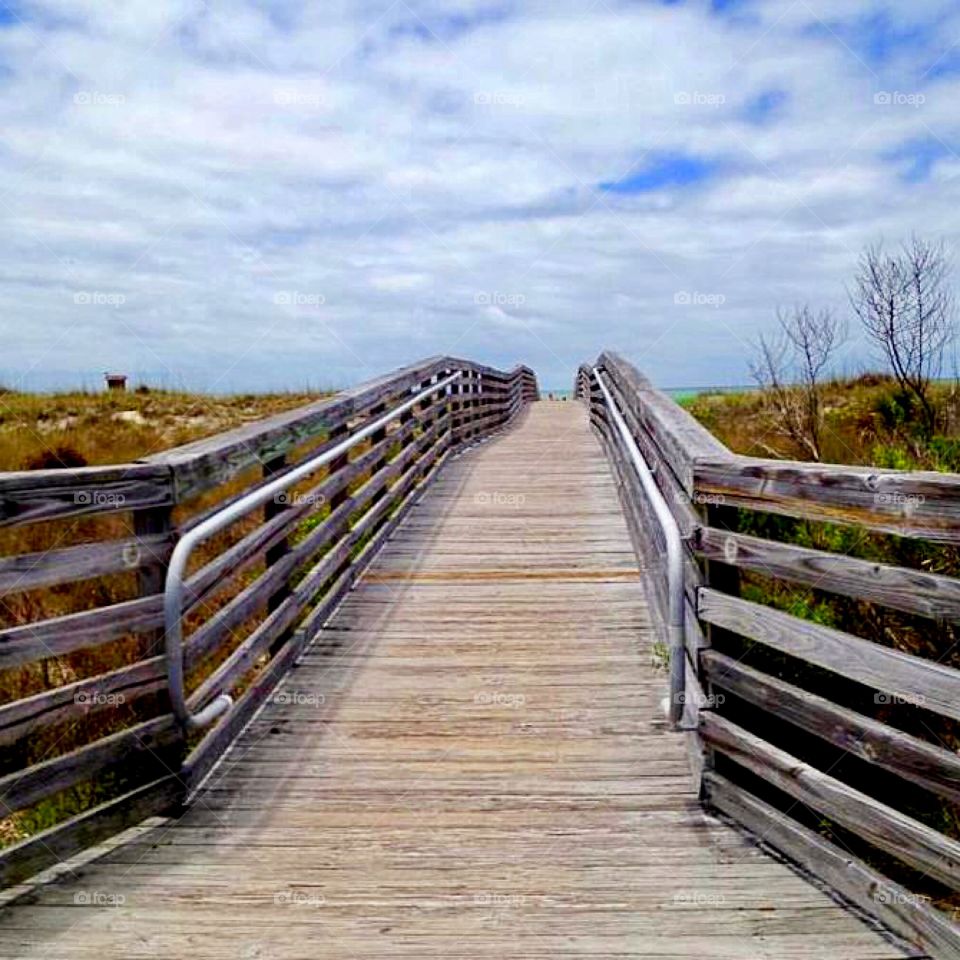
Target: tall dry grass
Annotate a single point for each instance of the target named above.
(102, 428)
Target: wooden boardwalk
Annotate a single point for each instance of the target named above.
(472, 762)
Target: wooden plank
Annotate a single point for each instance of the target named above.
(145, 742)
(918, 762)
(481, 701)
(914, 679)
(28, 571)
(52, 846)
(242, 659)
(909, 915)
(680, 439)
(886, 828)
(29, 496)
(212, 461)
(913, 591)
(209, 635)
(921, 504)
(77, 631)
(21, 718)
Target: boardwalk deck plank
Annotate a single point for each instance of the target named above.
(472, 761)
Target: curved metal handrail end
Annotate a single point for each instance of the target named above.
(176, 570)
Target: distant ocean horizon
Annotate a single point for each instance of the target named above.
(678, 393)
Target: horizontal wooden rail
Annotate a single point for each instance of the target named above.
(257, 596)
(760, 675)
(915, 760)
(899, 675)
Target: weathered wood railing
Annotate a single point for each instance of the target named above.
(798, 729)
(89, 709)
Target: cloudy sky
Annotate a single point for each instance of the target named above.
(232, 195)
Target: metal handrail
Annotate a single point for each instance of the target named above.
(671, 531)
(174, 586)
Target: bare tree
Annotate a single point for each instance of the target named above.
(790, 368)
(906, 306)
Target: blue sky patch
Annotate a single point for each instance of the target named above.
(9, 13)
(877, 38)
(450, 27)
(947, 64)
(660, 170)
(918, 157)
(723, 6)
(764, 106)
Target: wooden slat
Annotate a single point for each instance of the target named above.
(80, 698)
(78, 631)
(206, 463)
(913, 591)
(680, 439)
(55, 845)
(29, 496)
(886, 828)
(918, 762)
(919, 681)
(912, 917)
(137, 744)
(400, 777)
(208, 637)
(28, 571)
(921, 504)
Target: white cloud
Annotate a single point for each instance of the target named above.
(198, 159)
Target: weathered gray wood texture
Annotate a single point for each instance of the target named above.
(704, 484)
(243, 643)
(470, 760)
